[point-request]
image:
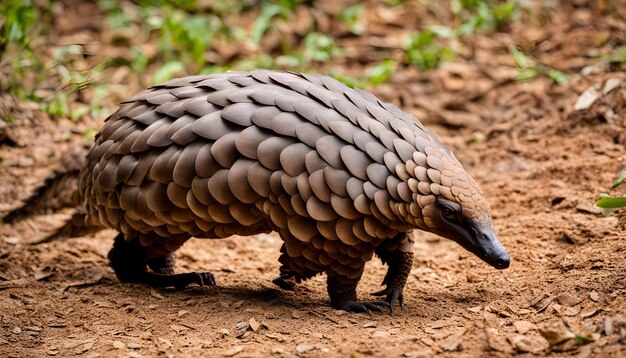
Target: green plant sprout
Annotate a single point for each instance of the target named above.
(611, 203)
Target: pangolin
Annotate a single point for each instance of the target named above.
(336, 172)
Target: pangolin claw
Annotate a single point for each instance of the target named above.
(367, 307)
(200, 278)
(284, 284)
(394, 296)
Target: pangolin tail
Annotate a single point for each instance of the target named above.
(59, 191)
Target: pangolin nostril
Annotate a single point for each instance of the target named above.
(503, 263)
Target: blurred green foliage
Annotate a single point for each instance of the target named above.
(437, 44)
(427, 50)
(489, 15)
(526, 70)
(17, 25)
(161, 39)
(351, 16)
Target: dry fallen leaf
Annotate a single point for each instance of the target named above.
(589, 312)
(254, 324)
(232, 351)
(571, 311)
(556, 333)
(454, 342)
(523, 326)
(542, 302)
(369, 324)
(587, 98)
(527, 344)
(567, 299)
(178, 328)
(155, 294)
(606, 327)
(496, 341)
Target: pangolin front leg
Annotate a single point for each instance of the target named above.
(129, 259)
(342, 292)
(398, 254)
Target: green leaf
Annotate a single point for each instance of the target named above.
(320, 47)
(90, 134)
(351, 16)
(350, 81)
(619, 179)
(167, 71)
(582, 340)
(520, 59)
(618, 55)
(441, 31)
(78, 113)
(526, 74)
(139, 61)
(609, 202)
(381, 72)
(263, 22)
(424, 51)
(559, 77)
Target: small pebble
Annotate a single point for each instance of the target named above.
(303, 348)
(233, 351)
(11, 240)
(224, 332)
(369, 324)
(380, 334)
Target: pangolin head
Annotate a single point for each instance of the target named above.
(452, 205)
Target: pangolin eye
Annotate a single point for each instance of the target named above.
(448, 213)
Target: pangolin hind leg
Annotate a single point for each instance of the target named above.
(163, 265)
(129, 259)
(295, 269)
(398, 254)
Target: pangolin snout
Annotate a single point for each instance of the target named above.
(503, 261)
(493, 252)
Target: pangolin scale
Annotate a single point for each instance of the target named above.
(337, 173)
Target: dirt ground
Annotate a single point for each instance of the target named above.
(540, 162)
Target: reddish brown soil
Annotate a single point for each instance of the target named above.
(540, 162)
